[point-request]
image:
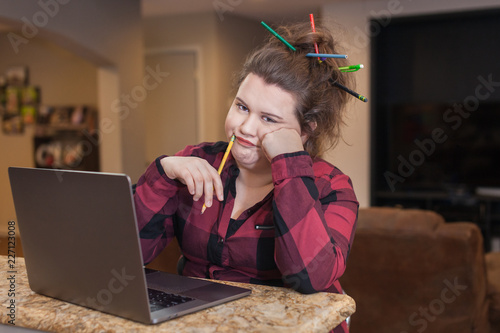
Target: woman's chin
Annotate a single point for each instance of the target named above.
(249, 159)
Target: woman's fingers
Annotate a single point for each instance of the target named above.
(208, 188)
(199, 180)
(219, 189)
(281, 141)
(197, 174)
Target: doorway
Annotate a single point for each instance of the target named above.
(171, 107)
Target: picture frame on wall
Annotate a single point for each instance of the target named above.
(17, 76)
(19, 101)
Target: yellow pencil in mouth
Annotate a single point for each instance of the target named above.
(221, 166)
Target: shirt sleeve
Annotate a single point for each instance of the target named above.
(315, 213)
(155, 201)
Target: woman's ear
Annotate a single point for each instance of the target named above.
(304, 136)
(313, 125)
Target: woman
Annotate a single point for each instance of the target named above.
(277, 214)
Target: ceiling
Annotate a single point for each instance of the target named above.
(271, 10)
(267, 10)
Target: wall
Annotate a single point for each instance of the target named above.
(222, 44)
(236, 38)
(64, 78)
(196, 31)
(107, 34)
(353, 157)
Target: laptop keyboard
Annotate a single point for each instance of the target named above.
(160, 300)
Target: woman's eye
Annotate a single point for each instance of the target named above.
(268, 119)
(242, 107)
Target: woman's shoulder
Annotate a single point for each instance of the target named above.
(324, 168)
(204, 149)
(328, 176)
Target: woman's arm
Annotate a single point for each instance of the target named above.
(156, 196)
(155, 201)
(315, 212)
(315, 217)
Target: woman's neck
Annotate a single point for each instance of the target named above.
(251, 188)
(255, 178)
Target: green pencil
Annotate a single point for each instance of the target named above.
(278, 36)
(352, 68)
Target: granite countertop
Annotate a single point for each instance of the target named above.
(267, 309)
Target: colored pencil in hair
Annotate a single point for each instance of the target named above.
(313, 26)
(326, 55)
(278, 36)
(349, 91)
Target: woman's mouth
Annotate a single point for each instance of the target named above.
(244, 142)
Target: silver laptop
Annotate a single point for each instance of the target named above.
(81, 245)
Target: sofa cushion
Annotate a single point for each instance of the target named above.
(411, 271)
(393, 220)
(493, 273)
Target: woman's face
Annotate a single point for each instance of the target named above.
(259, 108)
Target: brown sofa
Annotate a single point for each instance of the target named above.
(410, 271)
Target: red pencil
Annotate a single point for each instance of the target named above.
(311, 17)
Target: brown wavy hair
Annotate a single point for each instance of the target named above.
(307, 79)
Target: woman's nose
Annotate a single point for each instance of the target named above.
(249, 125)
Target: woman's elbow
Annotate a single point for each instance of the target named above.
(300, 282)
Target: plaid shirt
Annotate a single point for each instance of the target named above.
(298, 236)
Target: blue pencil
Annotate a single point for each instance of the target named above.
(326, 55)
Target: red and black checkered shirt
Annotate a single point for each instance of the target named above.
(298, 236)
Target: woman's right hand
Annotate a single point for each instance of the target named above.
(197, 174)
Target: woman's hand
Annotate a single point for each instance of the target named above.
(197, 174)
(281, 141)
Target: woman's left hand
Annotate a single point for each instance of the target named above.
(281, 141)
